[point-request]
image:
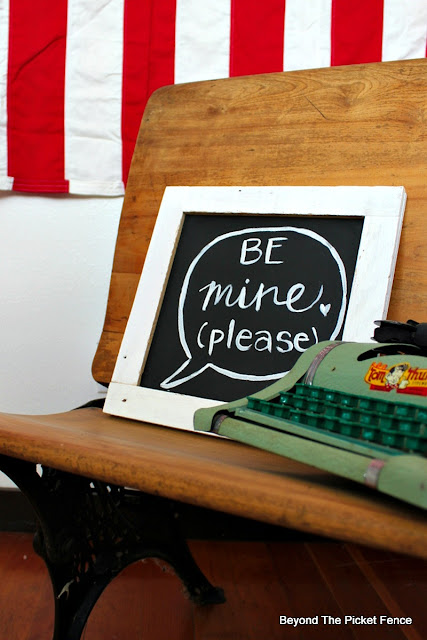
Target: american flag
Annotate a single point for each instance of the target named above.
(75, 75)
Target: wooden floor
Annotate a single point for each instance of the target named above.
(262, 581)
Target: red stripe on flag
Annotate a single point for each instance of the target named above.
(356, 31)
(148, 62)
(35, 102)
(136, 42)
(257, 36)
(162, 49)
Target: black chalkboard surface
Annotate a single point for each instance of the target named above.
(239, 281)
(246, 296)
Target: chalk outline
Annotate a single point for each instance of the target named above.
(166, 384)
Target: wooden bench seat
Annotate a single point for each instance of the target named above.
(359, 125)
(219, 474)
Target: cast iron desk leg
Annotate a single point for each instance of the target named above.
(88, 531)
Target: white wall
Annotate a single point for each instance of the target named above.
(56, 256)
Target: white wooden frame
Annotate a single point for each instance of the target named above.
(382, 209)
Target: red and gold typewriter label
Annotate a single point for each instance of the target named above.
(401, 377)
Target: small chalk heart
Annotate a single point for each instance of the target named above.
(324, 309)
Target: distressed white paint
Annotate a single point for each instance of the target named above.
(157, 410)
(382, 209)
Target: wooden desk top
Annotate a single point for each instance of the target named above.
(216, 473)
(352, 125)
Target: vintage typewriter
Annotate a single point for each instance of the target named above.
(357, 410)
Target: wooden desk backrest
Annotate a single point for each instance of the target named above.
(355, 125)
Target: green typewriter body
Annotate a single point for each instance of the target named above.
(357, 410)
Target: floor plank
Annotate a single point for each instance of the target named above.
(262, 581)
(146, 601)
(253, 590)
(353, 592)
(24, 584)
(307, 591)
(401, 582)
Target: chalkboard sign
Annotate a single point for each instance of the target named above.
(238, 282)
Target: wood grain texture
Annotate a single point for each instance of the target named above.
(359, 125)
(262, 581)
(25, 591)
(216, 473)
(356, 125)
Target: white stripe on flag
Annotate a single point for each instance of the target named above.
(93, 97)
(202, 40)
(404, 30)
(307, 34)
(5, 181)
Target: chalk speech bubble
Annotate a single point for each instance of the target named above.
(258, 308)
